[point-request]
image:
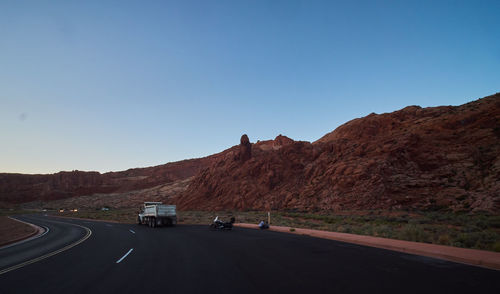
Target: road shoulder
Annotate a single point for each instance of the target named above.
(474, 257)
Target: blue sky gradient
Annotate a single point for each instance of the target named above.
(111, 85)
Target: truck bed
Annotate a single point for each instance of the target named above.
(160, 210)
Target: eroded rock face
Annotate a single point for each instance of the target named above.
(414, 158)
(245, 148)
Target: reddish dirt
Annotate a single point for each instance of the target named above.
(469, 256)
(12, 230)
(414, 158)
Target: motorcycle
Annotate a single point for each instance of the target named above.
(220, 225)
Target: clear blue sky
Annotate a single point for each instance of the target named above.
(111, 85)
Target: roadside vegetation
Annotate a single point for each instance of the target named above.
(128, 215)
(9, 212)
(466, 230)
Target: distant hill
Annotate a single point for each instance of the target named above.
(414, 158)
(21, 188)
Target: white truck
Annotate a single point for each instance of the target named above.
(156, 214)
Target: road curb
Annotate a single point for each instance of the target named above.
(474, 257)
(38, 231)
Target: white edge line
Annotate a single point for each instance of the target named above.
(123, 257)
(89, 232)
(132, 231)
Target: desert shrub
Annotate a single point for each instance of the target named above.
(345, 229)
(494, 221)
(414, 222)
(444, 239)
(466, 240)
(496, 246)
(366, 229)
(384, 231)
(414, 233)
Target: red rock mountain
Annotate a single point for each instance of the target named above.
(414, 158)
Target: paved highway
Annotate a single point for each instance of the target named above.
(120, 258)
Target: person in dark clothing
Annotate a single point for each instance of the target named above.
(263, 225)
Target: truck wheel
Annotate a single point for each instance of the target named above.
(139, 221)
(154, 222)
(149, 223)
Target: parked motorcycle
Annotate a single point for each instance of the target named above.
(221, 225)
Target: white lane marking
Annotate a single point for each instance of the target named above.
(123, 257)
(89, 232)
(132, 231)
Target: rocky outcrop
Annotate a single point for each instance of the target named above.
(414, 158)
(245, 149)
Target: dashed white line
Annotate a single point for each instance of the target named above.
(123, 257)
(132, 231)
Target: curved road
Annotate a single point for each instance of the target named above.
(192, 259)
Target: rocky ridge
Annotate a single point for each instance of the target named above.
(414, 158)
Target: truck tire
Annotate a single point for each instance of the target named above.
(139, 221)
(153, 221)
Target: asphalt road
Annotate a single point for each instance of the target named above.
(192, 259)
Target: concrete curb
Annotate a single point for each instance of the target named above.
(38, 231)
(474, 257)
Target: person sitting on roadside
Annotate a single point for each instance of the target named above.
(263, 225)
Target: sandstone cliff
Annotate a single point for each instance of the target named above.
(414, 158)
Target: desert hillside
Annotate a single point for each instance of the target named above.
(414, 158)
